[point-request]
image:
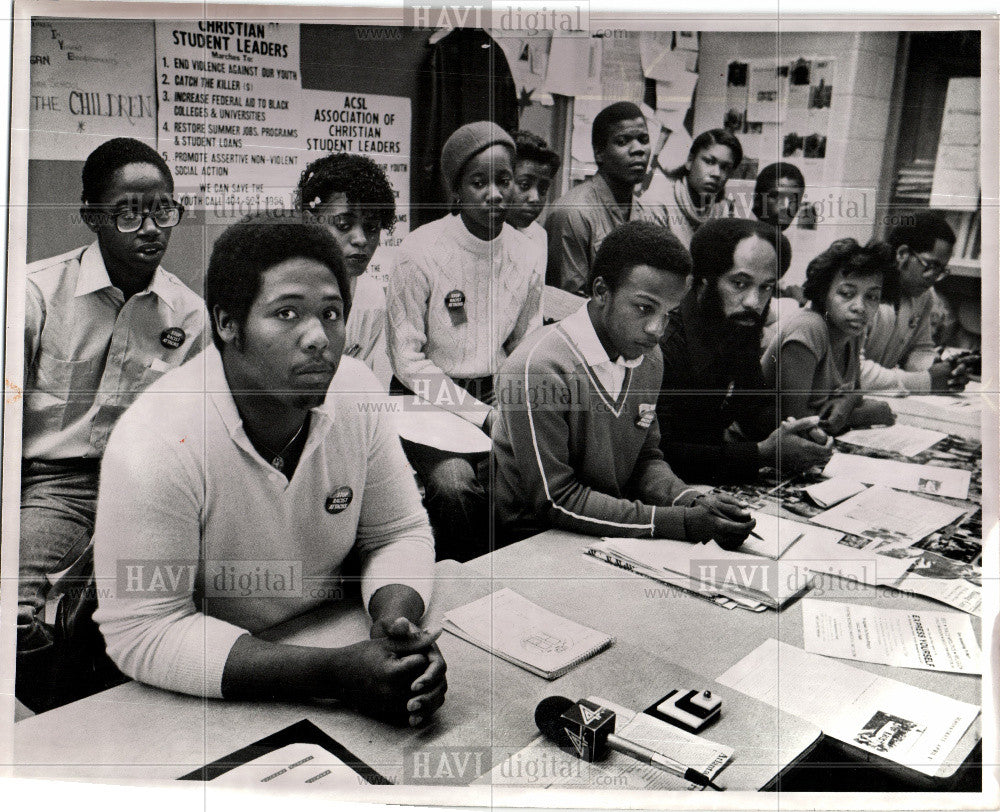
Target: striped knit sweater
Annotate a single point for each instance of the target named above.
(570, 457)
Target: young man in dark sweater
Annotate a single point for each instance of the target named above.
(577, 442)
(713, 389)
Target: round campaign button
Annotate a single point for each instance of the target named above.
(338, 501)
(455, 300)
(172, 337)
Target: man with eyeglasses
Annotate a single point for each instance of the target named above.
(899, 351)
(102, 322)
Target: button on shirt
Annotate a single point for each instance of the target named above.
(182, 486)
(610, 373)
(89, 353)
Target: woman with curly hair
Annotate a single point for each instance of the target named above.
(352, 197)
(815, 359)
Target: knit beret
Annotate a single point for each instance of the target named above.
(465, 143)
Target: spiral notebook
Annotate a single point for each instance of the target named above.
(523, 633)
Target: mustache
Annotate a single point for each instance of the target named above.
(752, 315)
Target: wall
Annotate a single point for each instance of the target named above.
(859, 116)
(332, 58)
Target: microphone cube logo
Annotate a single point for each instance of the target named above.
(588, 726)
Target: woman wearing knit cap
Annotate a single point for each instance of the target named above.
(465, 290)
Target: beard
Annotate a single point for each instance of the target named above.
(736, 341)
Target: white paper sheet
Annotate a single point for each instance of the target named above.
(890, 719)
(422, 422)
(935, 641)
(892, 517)
(833, 491)
(904, 476)
(299, 766)
(781, 534)
(900, 438)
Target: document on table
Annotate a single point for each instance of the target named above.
(299, 766)
(935, 641)
(899, 438)
(904, 476)
(778, 535)
(299, 756)
(889, 516)
(521, 632)
(543, 764)
(834, 490)
(890, 719)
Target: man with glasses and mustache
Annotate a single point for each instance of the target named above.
(899, 352)
(718, 422)
(102, 322)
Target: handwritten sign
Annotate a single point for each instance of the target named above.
(91, 80)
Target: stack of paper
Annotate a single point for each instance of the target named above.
(881, 716)
(904, 476)
(899, 438)
(747, 579)
(521, 632)
(906, 569)
(894, 518)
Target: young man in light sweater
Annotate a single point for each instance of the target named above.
(587, 213)
(899, 352)
(577, 446)
(465, 290)
(235, 487)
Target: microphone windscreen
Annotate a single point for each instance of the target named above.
(548, 717)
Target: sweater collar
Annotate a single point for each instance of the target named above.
(469, 241)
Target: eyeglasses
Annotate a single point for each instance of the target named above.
(128, 221)
(933, 270)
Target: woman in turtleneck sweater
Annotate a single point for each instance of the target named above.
(695, 193)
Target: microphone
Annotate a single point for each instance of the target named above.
(587, 730)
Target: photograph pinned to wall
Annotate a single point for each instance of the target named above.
(762, 91)
(821, 84)
(806, 101)
(736, 95)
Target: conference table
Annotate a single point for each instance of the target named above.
(664, 639)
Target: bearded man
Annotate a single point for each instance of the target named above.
(719, 422)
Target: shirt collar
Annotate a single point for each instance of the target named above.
(603, 192)
(581, 330)
(93, 277)
(218, 388)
